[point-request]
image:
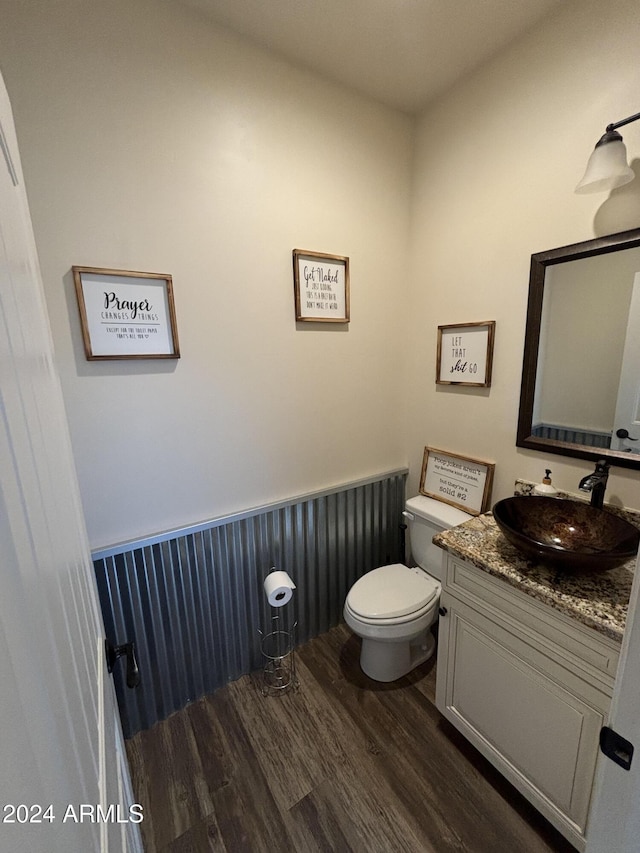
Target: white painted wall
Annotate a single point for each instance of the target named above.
(497, 160)
(153, 141)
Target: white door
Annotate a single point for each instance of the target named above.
(614, 821)
(63, 778)
(627, 416)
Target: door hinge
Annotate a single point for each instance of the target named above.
(616, 747)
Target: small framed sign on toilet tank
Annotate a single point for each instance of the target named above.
(458, 480)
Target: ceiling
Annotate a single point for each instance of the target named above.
(403, 53)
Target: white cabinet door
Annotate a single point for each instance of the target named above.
(59, 751)
(614, 821)
(513, 703)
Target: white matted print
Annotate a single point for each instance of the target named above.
(321, 284)
(458, 480)
(465, 354)
(126, 314)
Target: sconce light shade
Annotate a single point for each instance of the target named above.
(607, 167)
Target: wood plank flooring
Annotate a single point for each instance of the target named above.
(341, 764)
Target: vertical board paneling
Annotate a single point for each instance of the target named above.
(193, 601)
(572, 435)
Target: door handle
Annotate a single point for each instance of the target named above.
(624, 434)
(615, 747)
(128, 650)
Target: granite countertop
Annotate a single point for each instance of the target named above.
(599, 601)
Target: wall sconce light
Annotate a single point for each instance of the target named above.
(607, 167)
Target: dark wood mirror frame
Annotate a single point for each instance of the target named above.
(539, 263)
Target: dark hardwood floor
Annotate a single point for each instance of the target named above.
(341, 764)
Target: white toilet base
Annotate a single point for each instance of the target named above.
(388, 661)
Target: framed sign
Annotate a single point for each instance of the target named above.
(457, 480)
(465, 354)
(321, 284)
(126, 314)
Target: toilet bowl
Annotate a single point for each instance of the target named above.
(392, 608)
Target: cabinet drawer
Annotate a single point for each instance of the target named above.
(563, 638)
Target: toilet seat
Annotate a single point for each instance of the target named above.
(391, 595)
(399, 621)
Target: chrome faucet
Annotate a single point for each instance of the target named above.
(596, 483)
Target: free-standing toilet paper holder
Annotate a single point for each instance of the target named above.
(279, 670)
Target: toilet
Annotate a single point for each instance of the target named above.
(393, 607)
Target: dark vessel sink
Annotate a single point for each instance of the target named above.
(571, 535)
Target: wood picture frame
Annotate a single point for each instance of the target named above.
(461, 481)
(465, 354)
(321, 287)
(126, 314)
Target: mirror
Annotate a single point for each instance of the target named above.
(580, 393)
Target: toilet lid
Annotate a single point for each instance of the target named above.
(392, 591)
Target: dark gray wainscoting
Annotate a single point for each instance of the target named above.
(193, 601)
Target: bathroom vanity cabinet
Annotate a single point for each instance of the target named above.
(529, 686)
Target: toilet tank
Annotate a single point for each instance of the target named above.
(426, 517)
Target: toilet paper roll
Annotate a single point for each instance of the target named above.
(278, 587)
